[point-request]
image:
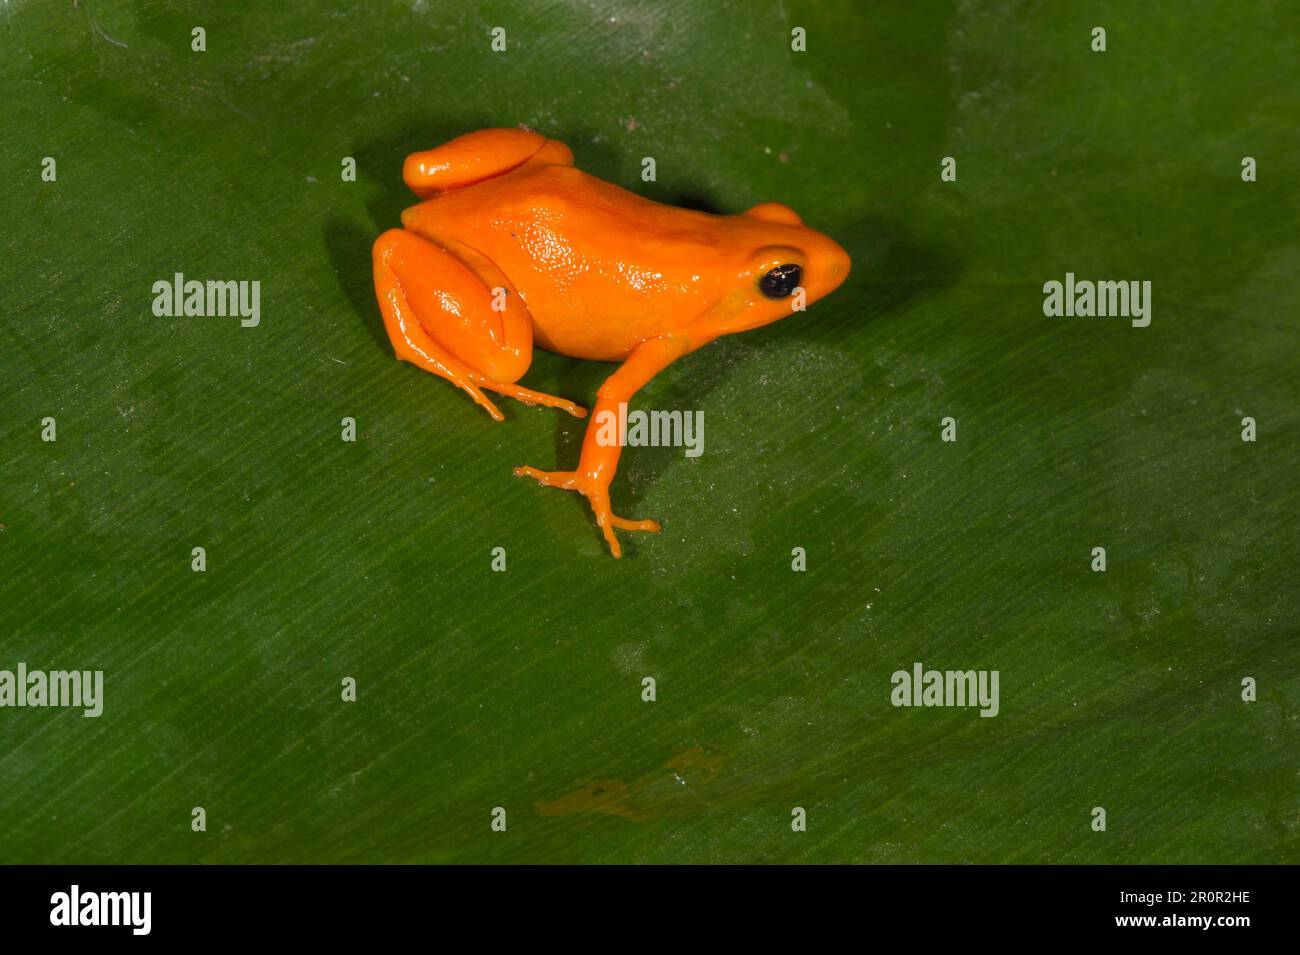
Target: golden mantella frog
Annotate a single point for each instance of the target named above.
(513, 246)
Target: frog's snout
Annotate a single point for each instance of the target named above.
(840, 264)
(835, 265)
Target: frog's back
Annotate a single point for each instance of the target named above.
(600, 268)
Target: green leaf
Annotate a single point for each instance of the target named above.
(476, 689)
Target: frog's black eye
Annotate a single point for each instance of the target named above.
(781, 281)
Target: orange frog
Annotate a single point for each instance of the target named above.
(512, 245)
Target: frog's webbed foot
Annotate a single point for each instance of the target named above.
(597, 496)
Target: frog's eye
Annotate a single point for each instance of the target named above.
(780, 281)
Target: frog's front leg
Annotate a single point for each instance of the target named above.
(437, 306)
(599, 460)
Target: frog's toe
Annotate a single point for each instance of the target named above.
(486, 403)
(530, 397)
(627, 524)
(567, 480)
(607, 520)
(611, 539)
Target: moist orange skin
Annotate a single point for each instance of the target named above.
(513, 246)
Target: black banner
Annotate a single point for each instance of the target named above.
(1165, 905)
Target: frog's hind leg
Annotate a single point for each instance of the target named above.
(477, 156)
(438, 310)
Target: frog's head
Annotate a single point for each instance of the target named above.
(779, 264)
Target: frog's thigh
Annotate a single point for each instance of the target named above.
(477, 156)
(423, 287)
